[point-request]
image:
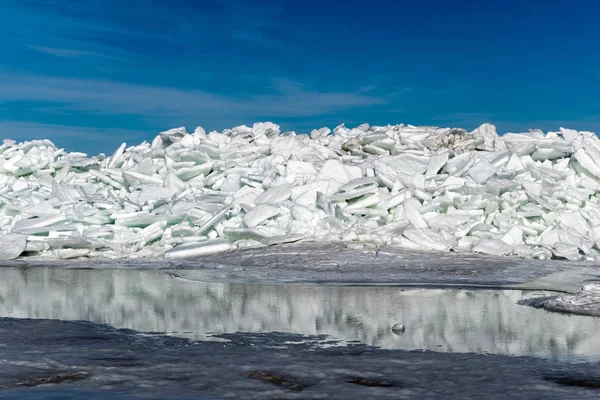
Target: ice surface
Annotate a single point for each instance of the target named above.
(124, 364)
(531, 194)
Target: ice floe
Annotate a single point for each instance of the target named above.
(586, 302)
(183, 194)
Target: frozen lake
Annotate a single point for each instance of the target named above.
(207, 328)
(294, 322)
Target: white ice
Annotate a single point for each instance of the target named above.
(182, 194)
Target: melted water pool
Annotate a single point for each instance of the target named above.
(443, 320)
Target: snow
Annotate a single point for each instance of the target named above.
(534, 195)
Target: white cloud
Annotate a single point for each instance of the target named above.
(110, 97)
(67, 53)
(21, 131)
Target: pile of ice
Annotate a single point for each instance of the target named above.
(529, 194)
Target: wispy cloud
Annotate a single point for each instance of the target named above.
(67, 53)
(72, 137)
(110, 97)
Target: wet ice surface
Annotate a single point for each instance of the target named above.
(102, 360)
(96, 361)
(434, 319)
(355, 263)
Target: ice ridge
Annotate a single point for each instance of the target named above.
(184, 194)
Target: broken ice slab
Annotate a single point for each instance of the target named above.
(365, 201)
(106, 179)
(494, 247)
(436, 163)
(354, 192)
(260, 214)
(374, 212)
(274, 240)
(274, 195)
(136, 179)
(358, 183)
(214, 219)
(70, 242)
(482, 171)
(12, 245)
(306, 195)
(426, 239)
(191, 250)
(187, 173)
(150, 194)
(335, 170)
(66, 254)
(32, 225)
(235, 234)
(141, 219)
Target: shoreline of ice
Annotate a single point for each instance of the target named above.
(534, 195)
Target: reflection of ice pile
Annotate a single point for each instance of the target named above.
(530, 194)
(441, 320)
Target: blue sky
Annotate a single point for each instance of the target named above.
(90, 74)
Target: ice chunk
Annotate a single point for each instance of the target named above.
(459, 165)
(12, 245)
(173, 183)
(355, 192)
(273, 240)
(194, 250)
(414, 217)
(306, 195)
(235, 234)
(151, 194)
(358, 182)
(66, 254)
(335, 170)
(588, 162)
(436, 163)
(408, 164)
(514, 163)
(482, 171)
(267, 129)
(301, 168)
(274, 195)
(490, 139)
(138, 179)
(260, 214)
(514, 236)
(427, 239)
(494, 247)
(567, 251)
(172, 135)
(33, 225)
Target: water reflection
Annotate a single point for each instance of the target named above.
(440, 320)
